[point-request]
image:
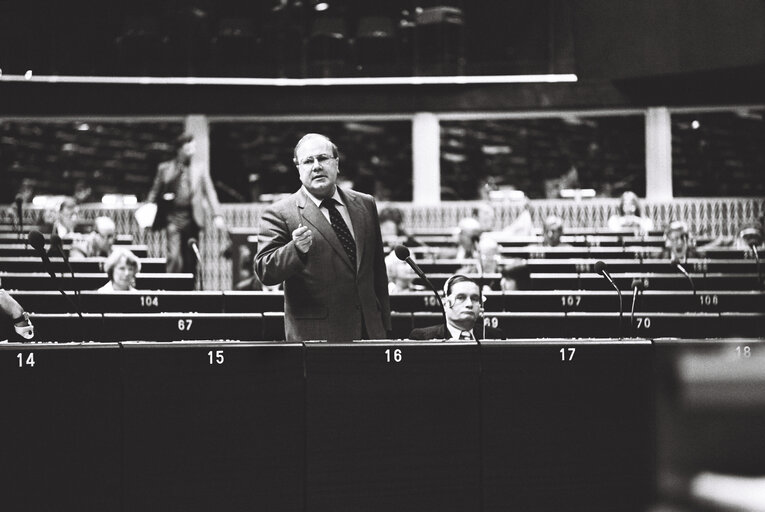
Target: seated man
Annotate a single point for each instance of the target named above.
(468, 233)
(677, 245)
(462, 305)
(97, 243)
(21, 323)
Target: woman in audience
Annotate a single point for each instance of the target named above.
(121, 266)
(630, 216)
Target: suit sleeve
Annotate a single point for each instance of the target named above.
(277, 259)
(210, 194)
(416, 334)
(381, 272)
(154, 191)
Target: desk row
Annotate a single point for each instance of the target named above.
(591, 281)
(22, 249)
(517, 301)
(270, 326)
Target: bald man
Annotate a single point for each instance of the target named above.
(97, 243)
(325, 245)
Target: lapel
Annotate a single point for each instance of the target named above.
(358, 219)
(310, 214)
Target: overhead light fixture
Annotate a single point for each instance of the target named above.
(297, 82)
(321, 6)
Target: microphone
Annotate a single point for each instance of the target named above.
(753, 247)
(37, 241)
(637, 286)
(477, 250)
(403, 254)
(679, 267)
(600, 268)
(58, 246)
(192, 243)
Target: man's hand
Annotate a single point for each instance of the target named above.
(303, 238)
(24, 328)
(220, 224)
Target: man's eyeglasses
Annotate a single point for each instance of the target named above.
(322, 159)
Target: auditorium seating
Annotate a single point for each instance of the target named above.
(84, 281)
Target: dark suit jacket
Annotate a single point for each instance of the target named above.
(203, 195)
(438, 332)
(325, 298)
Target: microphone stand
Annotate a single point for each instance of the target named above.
(477, 250)
(760, 282)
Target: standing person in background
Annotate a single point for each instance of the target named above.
(630, 217)
(183, 191)
(325, 245)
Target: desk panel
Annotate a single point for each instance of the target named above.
(213, 427)
(144, 281)
(91, 265)
(567, 425)
(60, 427)
(711, 408)
(392, 426)
(148, 327)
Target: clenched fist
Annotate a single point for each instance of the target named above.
(303, 238)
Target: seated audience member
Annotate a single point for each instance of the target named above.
(400, 275)
(121, 266)
(469, 231)
(392, 229)
(515, 276)
(253, 282)
(66, 218)
(677, 245)
(97, 243)
(485, 215)
(630, 217)
(463, 308)
(552, 231)
(12, 309)
(522, 225)
(750, 235)
(487, 254)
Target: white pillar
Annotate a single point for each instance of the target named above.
(658, 154)
(426, 159)
(198, 126)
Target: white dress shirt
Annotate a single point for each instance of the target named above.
(340, 206)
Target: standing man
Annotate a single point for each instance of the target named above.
(183, 192)
(325, 245)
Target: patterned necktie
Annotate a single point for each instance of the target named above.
(465, 335)
(341, 230)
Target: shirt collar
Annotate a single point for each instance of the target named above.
(336, 196)
(456, 331)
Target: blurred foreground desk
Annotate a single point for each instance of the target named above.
(369, 426)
